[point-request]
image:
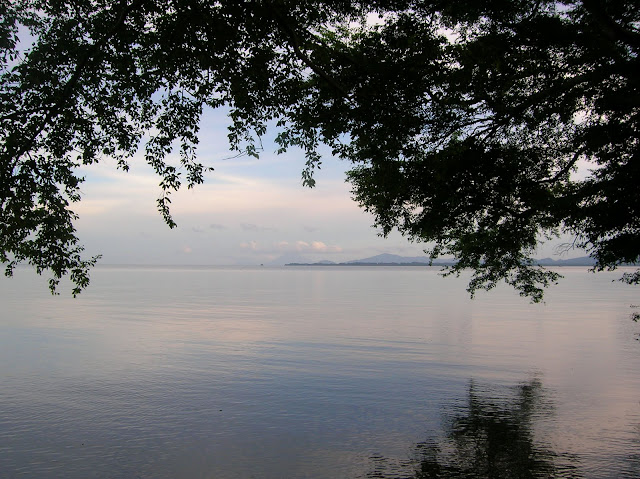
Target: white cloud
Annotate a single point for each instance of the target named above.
(251, 245)
(320, 247)
(301, 245)
(281, 247)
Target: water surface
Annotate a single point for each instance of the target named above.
(337, 372)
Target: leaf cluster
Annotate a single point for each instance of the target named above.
(481, 118)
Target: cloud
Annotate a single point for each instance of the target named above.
(187, 250)
(197, 229)
(320, 247)
(255, 228)
(214, 226)
(316, 247)
(252, 245)
(300, 246)
(310, 229)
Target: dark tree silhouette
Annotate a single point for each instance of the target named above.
(464, 120)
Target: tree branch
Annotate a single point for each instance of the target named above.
(64, 96)
(567, 167)
(613, 30)
(294, 42)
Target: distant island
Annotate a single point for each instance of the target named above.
(396, 260)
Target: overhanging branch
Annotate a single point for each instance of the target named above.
(294, 42)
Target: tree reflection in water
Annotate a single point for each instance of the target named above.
(492, 438)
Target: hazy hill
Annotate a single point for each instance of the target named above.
(582, 261)
(289, 258)
(387, 258)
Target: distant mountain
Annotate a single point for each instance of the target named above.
(381, 259)
(582, 261)
(390, 259)
(393, 258)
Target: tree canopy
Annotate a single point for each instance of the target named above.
(477, 127)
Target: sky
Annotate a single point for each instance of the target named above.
(248, 212)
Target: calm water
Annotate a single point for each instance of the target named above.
(317, 373)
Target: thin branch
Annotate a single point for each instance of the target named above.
(16, 114)
(613, 30)
(75, 77)
(294, 42)
(567, 167)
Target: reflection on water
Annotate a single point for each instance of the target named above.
(497, 434)
(495, 438)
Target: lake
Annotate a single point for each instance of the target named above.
(317, 372)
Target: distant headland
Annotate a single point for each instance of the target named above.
(396, 260)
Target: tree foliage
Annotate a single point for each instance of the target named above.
(465, 121)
